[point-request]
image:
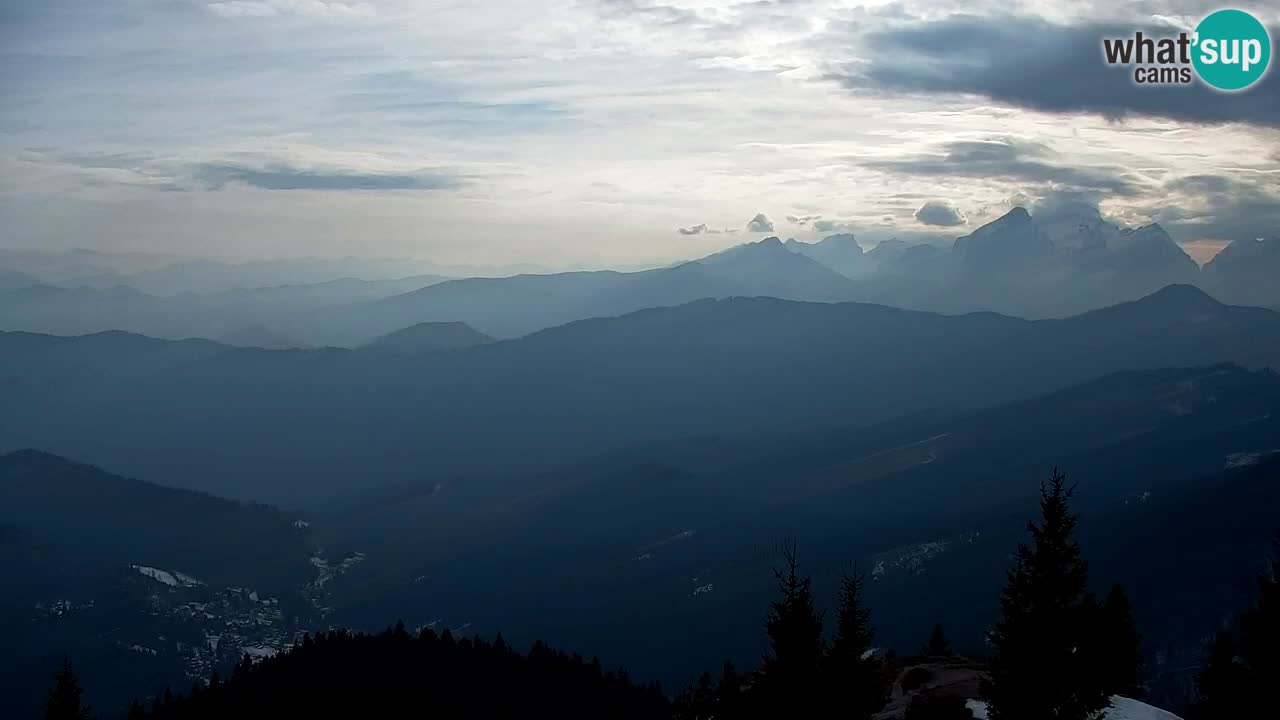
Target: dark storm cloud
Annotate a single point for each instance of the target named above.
(1010, 159)
(939, 213)
(286, 177)
(760, 223)
(1030, 63)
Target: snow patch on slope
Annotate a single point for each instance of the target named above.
(1247, 459)
(172, 579)
(1122, 708)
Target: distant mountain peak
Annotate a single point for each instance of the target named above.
(431, 337)
(770, 247)
(1248, 248)
(1076, 228)
(1013, 237)
(843, 239)
(888, 245)
(1152, 247)
(1153, 230)
(1180, 296)
(1015, 220)
(840, 252)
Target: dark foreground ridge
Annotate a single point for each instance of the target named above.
(396, 673)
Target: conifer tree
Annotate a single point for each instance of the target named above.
(729, 701)
(698, 700)
(1223, 682)
(938, 645)
(852, 679)
(794, 628)
(1118, 654)
(64, 701)
(1038, 669)
(1260, 626)
(1241, 675)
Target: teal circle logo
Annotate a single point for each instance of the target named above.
(1232, 50)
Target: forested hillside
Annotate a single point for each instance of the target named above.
(1060, 648)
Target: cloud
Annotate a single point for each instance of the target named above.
(286, 177)
(940, 213)
(139, 169)
(99, 161)
(760, 223)
(834, 226)
(273, 8)
(1012, 159)
(802, 219)
(693, 229)
(1217, 207)
(1031, 63)
(1061, 204)
(655, 13)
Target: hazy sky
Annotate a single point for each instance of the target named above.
(600, 131)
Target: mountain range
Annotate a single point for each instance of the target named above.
(1049, 264)
(666, 549)
(293, 424)
(1018, 265)
(253, 317)
(515, 306)
(607, 460)
(662, 551)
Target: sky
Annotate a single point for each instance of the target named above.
(592, 133)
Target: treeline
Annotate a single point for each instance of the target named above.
(1241, 677)
(401, 674)
(1058, 651)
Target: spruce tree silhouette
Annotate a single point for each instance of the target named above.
(851, 678)
(938, 645)
(1223, 682)
(789, 682)
(1260, 627)
(65, 701)
(1240, 676)
(1038, 669)
(1119, 646)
